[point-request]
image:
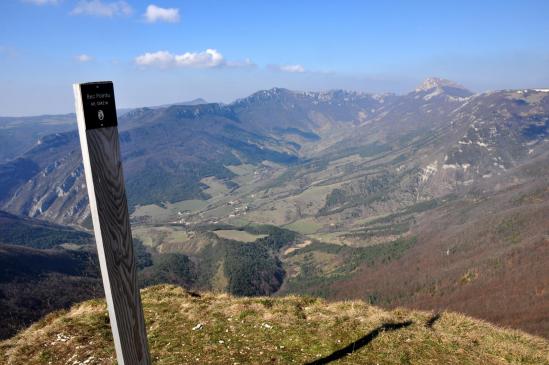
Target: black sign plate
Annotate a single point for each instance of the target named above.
(99, 107)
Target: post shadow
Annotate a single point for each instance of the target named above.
(431, 321)
(358, 344)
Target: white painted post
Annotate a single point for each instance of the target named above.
(98, 130)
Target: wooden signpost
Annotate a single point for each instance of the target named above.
(98, 130)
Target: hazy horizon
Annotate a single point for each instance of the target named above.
(169, 103)
(161, 53)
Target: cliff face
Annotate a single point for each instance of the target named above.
(188, 328)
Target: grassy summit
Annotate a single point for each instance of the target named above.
(211, 328)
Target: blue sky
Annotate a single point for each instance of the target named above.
(164, 51)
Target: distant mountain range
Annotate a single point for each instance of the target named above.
(18, 134)
(196, 101)
(168, 150)
(437, 198)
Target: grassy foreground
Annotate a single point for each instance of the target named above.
(220, 329)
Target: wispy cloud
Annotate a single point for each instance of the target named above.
(245, 63)
(103, 9)
(288, 68)
(8, 52)
(155, 14)
(42, 2)
(210, 58)
(84, 58)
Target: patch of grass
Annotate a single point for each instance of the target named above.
(289, 330)
(305, 226)
(381, 230)
(166, 212)
(236, 235)
(468, 277)
(509, 229)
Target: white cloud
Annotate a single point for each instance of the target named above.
(84, 58)
(160, 58)
(42, 2)
(288, 68)
(209, 58)
(99, 8)
(157, 14)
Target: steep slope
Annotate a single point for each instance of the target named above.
(34, 233)
(218, 329)
(37, 275)
(166, 155)
(54, 188)
(34, 282)
(483, 254)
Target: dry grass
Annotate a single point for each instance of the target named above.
(270, 330)
(232, 234)
(305, 226)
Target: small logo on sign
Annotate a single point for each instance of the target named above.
(100, 114)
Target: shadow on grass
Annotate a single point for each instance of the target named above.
(431, 321)
(358, 344)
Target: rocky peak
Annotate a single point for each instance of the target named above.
(437, 86)
(435, 82)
